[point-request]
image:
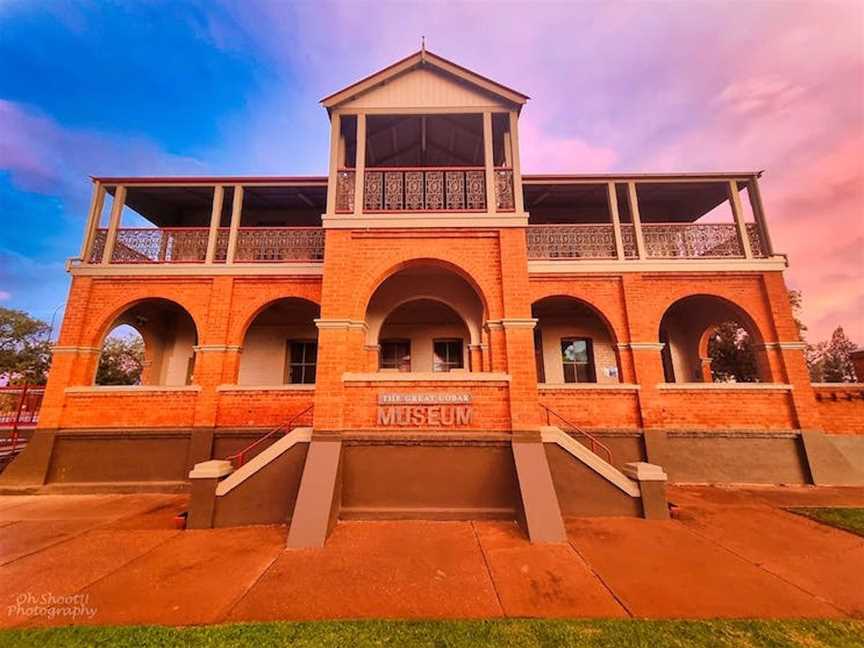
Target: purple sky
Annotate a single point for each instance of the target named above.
(232, 87)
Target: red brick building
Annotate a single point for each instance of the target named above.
(433, 332)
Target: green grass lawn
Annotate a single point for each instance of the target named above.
(459, 634)
(848, 519)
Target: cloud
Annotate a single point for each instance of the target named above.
(544, 152)
(5, 295)
(44, 157)
(644, 87)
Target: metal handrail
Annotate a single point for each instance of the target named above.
(286, 427)
(466, 167)
(32, 411)
(595, 443)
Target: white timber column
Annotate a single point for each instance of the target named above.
(215, 220)
(114, 223)
(93, 218)
(616, 220)
(335, 147)
(360, 165)
(236, 212)
(759, 214)
(738, 215)
(489, 163)
(516, 164)
(633, 202)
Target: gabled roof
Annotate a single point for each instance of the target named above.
(421, 58)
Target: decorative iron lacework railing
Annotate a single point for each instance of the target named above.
(571, 242)
(189, 245)
(663, 241)
(153, 245)
(279, 244)
(424, 189)
(504, 200)
(345, 191)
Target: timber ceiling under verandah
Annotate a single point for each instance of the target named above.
(575, 199)
(189, 205)
(430, 140)
(291, 201)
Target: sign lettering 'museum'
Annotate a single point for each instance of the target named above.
(417, 410)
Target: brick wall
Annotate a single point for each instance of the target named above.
(247, 408)
(841, 408)
(593, 408)
(489, 403)
(493, 262)
(119, 409)
(701, 409)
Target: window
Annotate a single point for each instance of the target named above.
(302, 358)
(577, 356)
(448, 355)
(395, 354)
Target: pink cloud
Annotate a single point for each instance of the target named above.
(543, 152)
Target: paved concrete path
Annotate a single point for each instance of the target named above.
(731, 552)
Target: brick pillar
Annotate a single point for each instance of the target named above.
(644, 350)
(518, 328)
(624, 355)
(210, 354)
(496, 356)
(329, 391)
(475, 357)
(74, 360)
(372, 357)
(791, 350)
(524, 400)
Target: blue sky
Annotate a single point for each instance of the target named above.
(156, 88)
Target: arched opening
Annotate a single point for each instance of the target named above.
(573, 343)
(122, 359)
(423, 335)
(149, 343)
(281, 345)
(426, 318)
(710, 339)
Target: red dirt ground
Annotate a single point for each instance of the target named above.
(731, 552)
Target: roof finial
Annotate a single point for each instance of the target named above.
(423, 44)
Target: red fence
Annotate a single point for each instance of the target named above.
(19, 408)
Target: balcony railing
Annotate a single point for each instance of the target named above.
(571, 242)
(189, 245)
(279, 244)
(424, 189)
(432, 189)
(662, 241)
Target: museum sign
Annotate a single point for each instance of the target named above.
(419, 410)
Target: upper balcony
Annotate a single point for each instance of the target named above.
(657, 218)
(212, 221)
(388, 168)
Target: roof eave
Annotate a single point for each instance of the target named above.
(423, 57)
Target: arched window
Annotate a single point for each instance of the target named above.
(573, 343)
(424, 318)
(281, 345)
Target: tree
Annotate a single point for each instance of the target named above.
(731, 353)
(830, 361)
(796, 301)
(25, 347)
(122, 361)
